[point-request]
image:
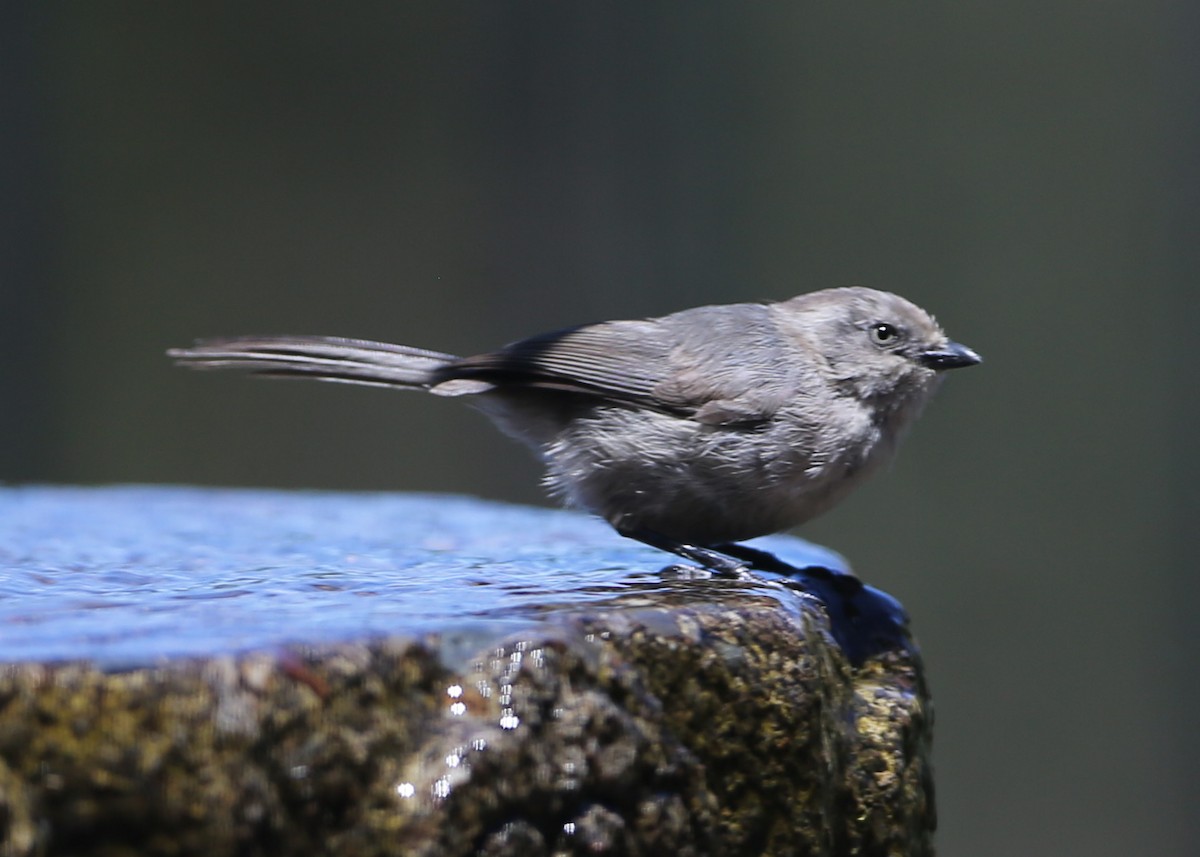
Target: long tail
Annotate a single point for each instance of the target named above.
(324, 358)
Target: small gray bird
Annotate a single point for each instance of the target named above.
(687, 432)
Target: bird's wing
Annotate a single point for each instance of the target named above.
(618, 360)
(669, 365)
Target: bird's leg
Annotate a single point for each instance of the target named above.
(719, 563)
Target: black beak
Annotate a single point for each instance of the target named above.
(950, 356)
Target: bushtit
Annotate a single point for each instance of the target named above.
(689, 431)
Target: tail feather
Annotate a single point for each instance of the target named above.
(324, 358)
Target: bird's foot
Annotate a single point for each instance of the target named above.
(716, 562)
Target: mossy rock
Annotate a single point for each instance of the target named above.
(590, 707)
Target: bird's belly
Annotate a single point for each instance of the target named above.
(700, 485)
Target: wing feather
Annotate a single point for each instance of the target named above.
(708, 364)
(619, 360)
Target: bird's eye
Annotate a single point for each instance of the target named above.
(884, 334)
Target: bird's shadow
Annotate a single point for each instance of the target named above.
(864, 621)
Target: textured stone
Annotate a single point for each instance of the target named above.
(599, 706)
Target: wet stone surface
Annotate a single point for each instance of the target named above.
(191, 671)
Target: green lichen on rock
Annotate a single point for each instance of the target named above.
(249, 755)
(725, 725)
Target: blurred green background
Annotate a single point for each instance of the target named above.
(459, 175)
